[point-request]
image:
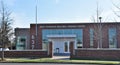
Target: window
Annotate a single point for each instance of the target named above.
(112, 38)
(66, 47)
(45, 45)
(79, 44)
(77, 32)
(21, 42)
(91, 38)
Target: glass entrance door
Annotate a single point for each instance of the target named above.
(66, 47)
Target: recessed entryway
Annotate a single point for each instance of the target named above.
(61, 44)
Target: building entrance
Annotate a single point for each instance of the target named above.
(61, 43)
(60, 46)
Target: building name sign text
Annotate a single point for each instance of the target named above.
(63, 26)
(33, 41)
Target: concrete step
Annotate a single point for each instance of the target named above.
(61, 54)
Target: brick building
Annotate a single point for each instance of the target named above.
(22, 38)
(82, 35)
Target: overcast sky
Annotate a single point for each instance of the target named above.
(59, 11)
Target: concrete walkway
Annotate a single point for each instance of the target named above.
(61, 57)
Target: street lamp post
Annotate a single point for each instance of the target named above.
(100, 32)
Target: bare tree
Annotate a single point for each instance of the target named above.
(97, 27)
(117, 6)
(5, 27)
(117, 13)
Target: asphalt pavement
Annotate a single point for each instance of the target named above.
(41, 64)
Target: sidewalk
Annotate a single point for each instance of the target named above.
(61, 57)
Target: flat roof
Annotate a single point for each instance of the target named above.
(79, 23)
(22, 28)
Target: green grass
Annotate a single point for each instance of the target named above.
(49, 60)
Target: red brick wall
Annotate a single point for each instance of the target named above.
(50, 52)
(26, 53)
(86, 36)
(103, 54)
(105, 41)
(37, 45)
(32, 32)
(71, 49)
(118, 36)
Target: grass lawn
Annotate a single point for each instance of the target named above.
(49, 60)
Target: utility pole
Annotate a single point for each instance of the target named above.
(36, 23)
